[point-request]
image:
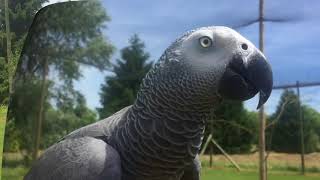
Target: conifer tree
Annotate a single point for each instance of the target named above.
(120, 90)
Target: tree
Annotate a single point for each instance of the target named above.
(19, 17)
(285, 133)
(311, 129)
(120, 90)
(62, 39)
(60, 121)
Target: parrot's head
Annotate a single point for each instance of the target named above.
(236, 68)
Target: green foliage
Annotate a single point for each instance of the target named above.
(67, 35)
(4, 82)
(61, 121)
(286, 131)
(234, 128)
(21, 14)
(7, 69)
(12, 143)
(20, 123)
(62, 39)
(311, 120)
(120, 90)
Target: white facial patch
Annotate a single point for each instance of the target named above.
(225, 43)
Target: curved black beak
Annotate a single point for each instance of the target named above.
(245, 78)
(260, 74)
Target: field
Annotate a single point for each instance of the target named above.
(227, 174)
(276, 162)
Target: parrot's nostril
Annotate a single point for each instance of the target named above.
(244, 46)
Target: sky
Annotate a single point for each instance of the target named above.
(292, 37)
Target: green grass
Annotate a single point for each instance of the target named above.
(277, 162)
(207, 174)
(273, 168)
(227, 174)
(14, 173)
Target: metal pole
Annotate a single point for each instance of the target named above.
(301, 130)
(262, 125)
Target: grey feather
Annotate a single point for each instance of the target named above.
(192, 172)
(101, 128)
(84, 158)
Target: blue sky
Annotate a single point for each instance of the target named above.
(292, 45)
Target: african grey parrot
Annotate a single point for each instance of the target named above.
(159, 136)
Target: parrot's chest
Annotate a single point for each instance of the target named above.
(152, 160)
(158, 148)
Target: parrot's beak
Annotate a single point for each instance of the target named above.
(243, 79)
(260, 74)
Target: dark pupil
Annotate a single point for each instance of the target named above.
(244, 46)
(206, 41)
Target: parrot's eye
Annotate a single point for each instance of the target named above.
(205, 41)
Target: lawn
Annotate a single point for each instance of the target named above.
(276, 162)
(207, 174)
(228, 174)
(14, 173)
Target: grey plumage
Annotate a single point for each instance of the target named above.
(160, 135)
(192, 171)
(85, 158)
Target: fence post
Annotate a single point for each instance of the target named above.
(262, 143)
(301, 130)
(211, 147)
